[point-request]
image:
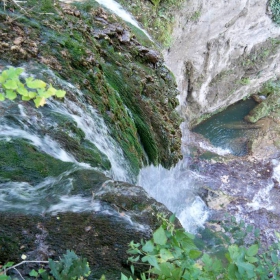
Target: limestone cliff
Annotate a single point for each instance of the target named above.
(222, 51)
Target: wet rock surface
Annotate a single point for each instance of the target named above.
(246, 187)
(124, 213)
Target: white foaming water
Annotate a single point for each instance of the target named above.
(74, 203)
(46, 144)
(95, 130)
(216, 150)
(174, 189)
(262, 197)
(117, 9)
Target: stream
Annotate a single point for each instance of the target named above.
(176, 188)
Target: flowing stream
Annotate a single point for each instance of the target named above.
(23, 123)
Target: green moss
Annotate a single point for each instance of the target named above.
(136, 99)
(158, 20)
(270, 105)
(20, 161)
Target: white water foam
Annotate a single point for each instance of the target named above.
(216, 150)
(174, 189)
(117, 9)
(262, 197)
(95, 129)
(46, 144)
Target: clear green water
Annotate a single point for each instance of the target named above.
(227, 129)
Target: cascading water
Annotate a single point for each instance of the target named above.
(176, 189)
(53, 193)
(34, 126)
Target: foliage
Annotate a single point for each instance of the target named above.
(275, 9)
(172, 254)
(70, 267)
(157, 16)
(31, 89)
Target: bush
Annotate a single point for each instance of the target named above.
(172, 254)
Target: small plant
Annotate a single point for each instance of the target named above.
(70, 267)
(244, 81)
(31, 89)
(195, 16)
(172, 254)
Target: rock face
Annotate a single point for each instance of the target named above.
(222, 51)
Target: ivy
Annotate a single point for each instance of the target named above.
(12, 86)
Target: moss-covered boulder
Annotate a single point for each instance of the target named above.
(269, 105)
(124, 213)
(125, 81)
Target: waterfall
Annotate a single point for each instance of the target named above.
(176, 189)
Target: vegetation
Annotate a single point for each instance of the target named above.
(70, 266)
(32, 89)
(156, 16)
(174, 254)
(275, 9)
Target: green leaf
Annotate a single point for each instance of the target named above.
(13, 73)
(33, 273)
(274, 257)
(172, 218)
(25, 98)
(10, 84)
(22, 91)
(4, 277)
(151, 260)
(251, 259)
(123, 277)
(148, 247)
(252, 250)
(8, 264)
(39, 101)
(136, 259)
(41, 270)
(132, 269)
(248, 267)
(159, 236)
(32, 94)
(3, 77)
(10, 94)
(165, 255)
(2, 97)
(60, 93)
(35, 84)
(194, 254)
(232, 270)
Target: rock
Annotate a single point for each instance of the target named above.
(102, 235)
(258, 98)
(217, 58)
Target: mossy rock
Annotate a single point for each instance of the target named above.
(84, 45)
(21, 161)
